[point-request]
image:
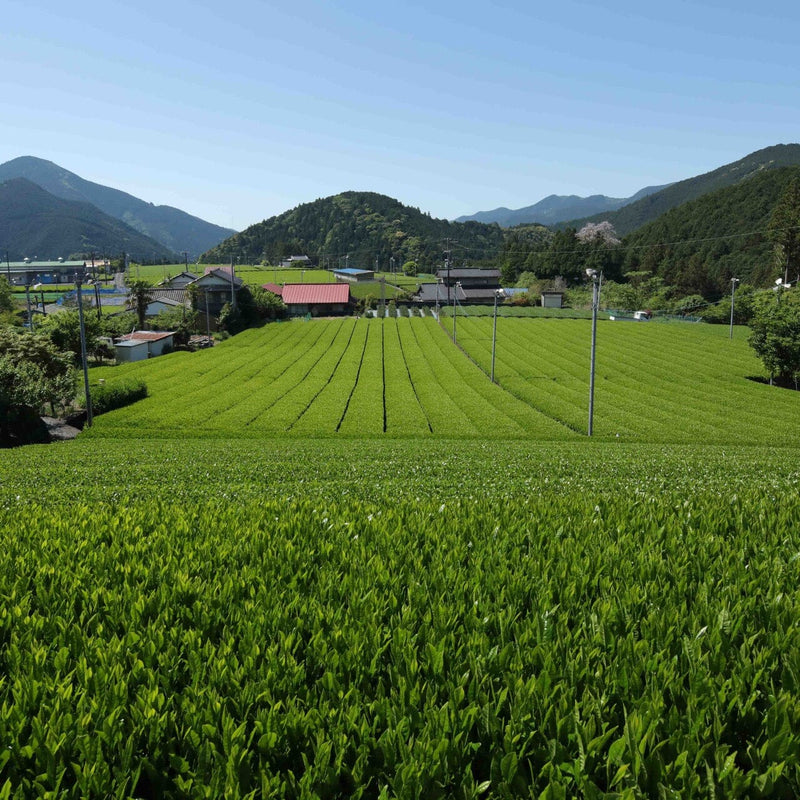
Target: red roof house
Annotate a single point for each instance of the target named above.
(317, 299)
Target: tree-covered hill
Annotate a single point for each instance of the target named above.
(700, 245)
(649, 208)
(36, 224)
(364, 226)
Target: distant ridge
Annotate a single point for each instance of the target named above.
(556, 208)
(174, 229)
(633, 216)
(38, 225)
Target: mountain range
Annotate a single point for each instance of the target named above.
(172, 228)
(366, 229)
(557, 208)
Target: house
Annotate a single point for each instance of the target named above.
(474, 286)
(317, 299)
(159, 303)
(179, 281)
(274, 288)
(139, 345)
(217, 287)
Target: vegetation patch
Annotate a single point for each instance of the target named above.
(108, 396)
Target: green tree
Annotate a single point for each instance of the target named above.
(784, 229)
(139, 298)
(563, 258)
(6, 295)
(32, 372)
(181, 321)
(230, 319)
(64, 331)
(775, 336)
(266, 305)
(8, 307)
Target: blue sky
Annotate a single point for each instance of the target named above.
(238, 111)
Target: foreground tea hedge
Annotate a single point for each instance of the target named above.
(579, 640)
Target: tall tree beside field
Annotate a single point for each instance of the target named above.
(7, 305)
(6, 296)
(64, 330)
(775, 335)
(32, 372)
(784, 230)
(139, 299)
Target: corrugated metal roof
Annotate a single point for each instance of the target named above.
(315, 293)
(354, 271)
(145, 336)
(468, 273)
(273, 287)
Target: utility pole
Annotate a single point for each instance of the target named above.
(734, 281)
(596, 281)
(28, 300)
(233, 291)
(383, 296)
(96, 300)
(447, 267)
(79, 277)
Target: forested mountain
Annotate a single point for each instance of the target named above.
(645, 210)
(356, 228)
(174, 229)
(700, 245)
(556, 208)
(36, 224)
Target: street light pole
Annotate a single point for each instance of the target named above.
(79, 277)
(734, 281)
(455, 293)
(494, 330)
(596, 280)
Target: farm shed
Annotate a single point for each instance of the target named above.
(352, 275)
(296, 261)
(317, 299)
(27, 272)
(139, 345)
(552, 299)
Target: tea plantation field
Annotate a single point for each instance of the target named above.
(404, 377)
(195, 606)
